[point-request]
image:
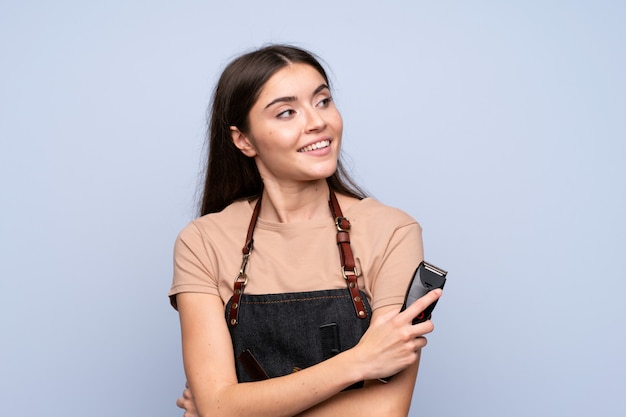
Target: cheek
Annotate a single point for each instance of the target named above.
(338, 126)
(338, 121)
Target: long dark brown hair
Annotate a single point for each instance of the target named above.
(230, 175)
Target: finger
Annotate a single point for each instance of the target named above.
(420, 342)
(186, 384)
(187, 394)
(425, 327)
(420, 304)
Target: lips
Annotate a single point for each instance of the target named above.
(317, 145)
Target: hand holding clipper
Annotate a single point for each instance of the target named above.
(426, 278)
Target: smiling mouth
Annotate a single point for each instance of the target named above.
(317, 145)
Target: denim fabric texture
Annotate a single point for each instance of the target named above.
(282, 331)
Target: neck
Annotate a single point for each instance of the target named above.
(295, 203)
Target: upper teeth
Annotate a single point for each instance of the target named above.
(317, 145)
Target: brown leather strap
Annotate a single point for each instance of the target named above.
(348, 266)
(242, 278)
(255, 216)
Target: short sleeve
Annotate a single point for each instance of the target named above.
(193, 267)
(402, 255)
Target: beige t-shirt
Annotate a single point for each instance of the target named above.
(296, 257)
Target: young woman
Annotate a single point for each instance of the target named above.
(309, 308)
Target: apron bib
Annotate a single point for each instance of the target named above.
(277, 334)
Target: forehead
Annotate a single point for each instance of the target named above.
(292, 80)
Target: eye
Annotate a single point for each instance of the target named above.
(325, 102)
(285, 114)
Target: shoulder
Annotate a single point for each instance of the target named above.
(374, 214)
(229, 221)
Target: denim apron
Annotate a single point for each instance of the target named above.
(277, 334)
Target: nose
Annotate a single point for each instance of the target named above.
(314, 120)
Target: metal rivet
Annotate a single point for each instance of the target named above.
(357, 299)
(237, 291)
(352, 285)
(361, 313)
(233, 321)
(234, 306)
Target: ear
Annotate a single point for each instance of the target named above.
(241, 141)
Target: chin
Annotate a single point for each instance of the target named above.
(326, 172)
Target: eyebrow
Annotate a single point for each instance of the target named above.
(290, 99)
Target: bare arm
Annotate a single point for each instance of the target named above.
(391, 344)
(376, 398)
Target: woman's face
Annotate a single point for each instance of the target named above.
(294, 129)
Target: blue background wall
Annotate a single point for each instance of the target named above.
(499, 125)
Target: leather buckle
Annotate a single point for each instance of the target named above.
(345, 272)
(343, 224)
(242, 276)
